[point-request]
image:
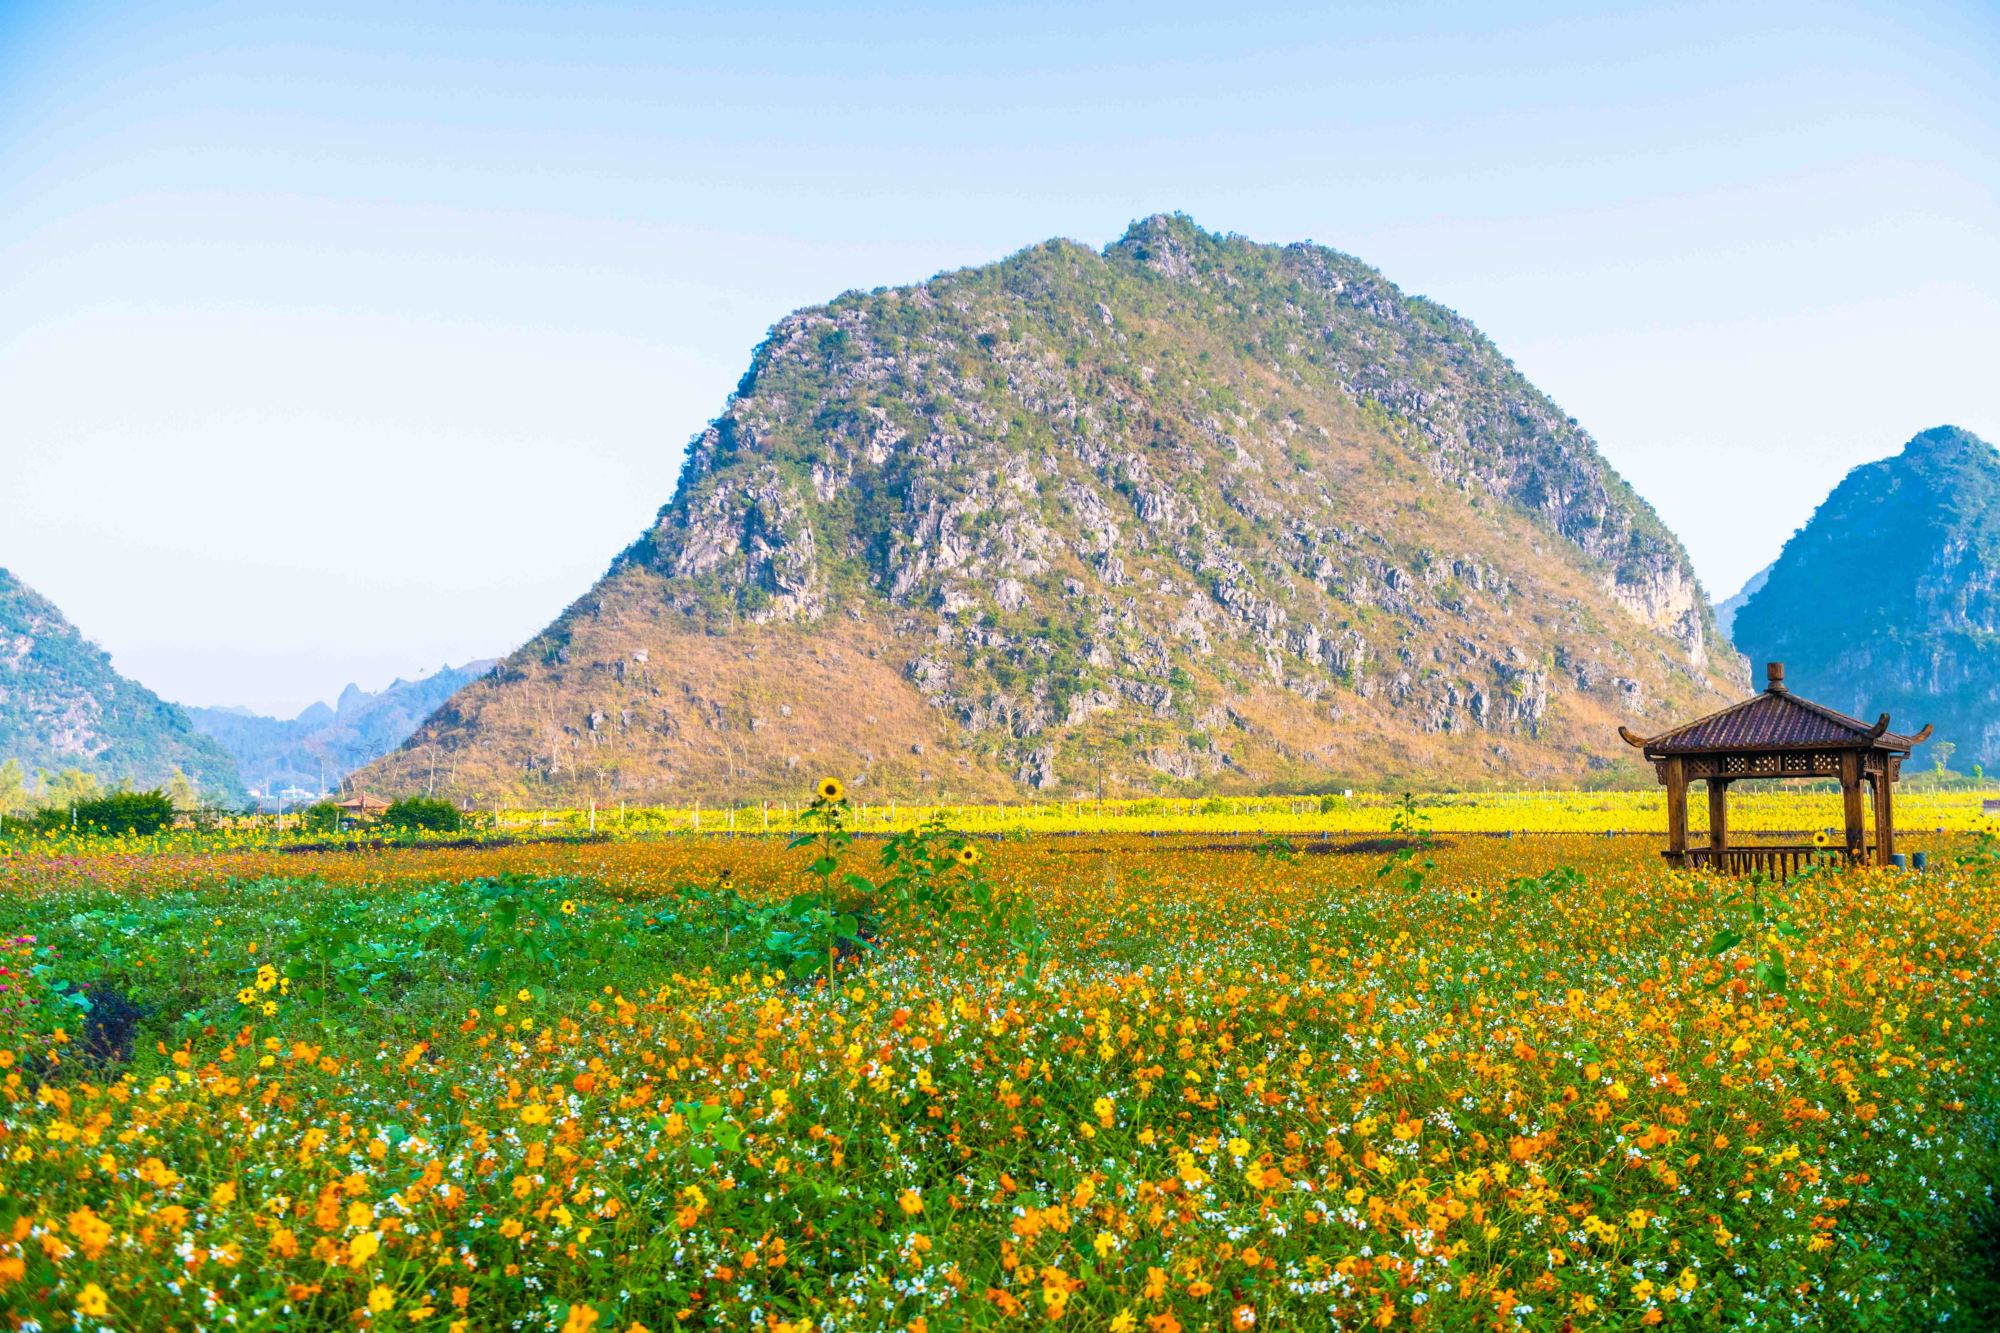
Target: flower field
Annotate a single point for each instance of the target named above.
(1116, 1080)
(1783, 809)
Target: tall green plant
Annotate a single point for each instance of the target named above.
(1410, 861)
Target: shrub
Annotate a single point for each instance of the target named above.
(422, 812)
(321, 818)
(125, 812)
(50, 818)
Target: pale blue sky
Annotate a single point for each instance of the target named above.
(375, 330)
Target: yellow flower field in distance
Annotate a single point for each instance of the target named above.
(1753, 809)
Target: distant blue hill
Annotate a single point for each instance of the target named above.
(324, 743)
(1725, 611)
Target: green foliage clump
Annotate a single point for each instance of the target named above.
(321, 818)
(142, 812)
(423, 814)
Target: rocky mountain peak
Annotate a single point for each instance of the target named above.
(1890, 596)
(1215, 511)
(1949, 445)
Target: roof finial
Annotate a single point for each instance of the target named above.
(1774, 677)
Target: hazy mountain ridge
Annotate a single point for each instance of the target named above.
(63, 705)
(1189, 510)
(1726, 609)
(324, 743)
(1889, 597)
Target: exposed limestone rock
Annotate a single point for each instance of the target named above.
(1068, 502)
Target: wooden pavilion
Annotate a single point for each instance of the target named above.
(1776, 734)
(362, 805)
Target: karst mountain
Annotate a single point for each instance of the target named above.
(1188, 513)
(1889, 597)
(64, 706)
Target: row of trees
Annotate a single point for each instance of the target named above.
(74, 798)
(22, 796)
(148, 812)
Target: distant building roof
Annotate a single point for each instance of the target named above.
(1777, 719)
(363, 802)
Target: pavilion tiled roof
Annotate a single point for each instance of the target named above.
(1776, 720)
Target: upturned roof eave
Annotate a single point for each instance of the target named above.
(1891, 744)
(1860, 735)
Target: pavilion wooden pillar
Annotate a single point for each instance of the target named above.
(1850, 799)
(1885, 816)
(1677, 809)
(1718, 813)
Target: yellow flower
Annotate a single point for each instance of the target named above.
(568, 907)
(830, 789)
(362, 1248)
(1239, 1147)
(968, 855)
(911, 1202)
(534, 1113)
(524, 995)
(93, 1301)
(381, 1300)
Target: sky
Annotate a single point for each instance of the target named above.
(341, 342)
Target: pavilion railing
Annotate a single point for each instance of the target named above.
(1777, 861)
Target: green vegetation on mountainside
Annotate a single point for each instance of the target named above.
(1189, 513)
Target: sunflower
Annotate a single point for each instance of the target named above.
(1820, 839)
(968, 855)
(830, 789)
